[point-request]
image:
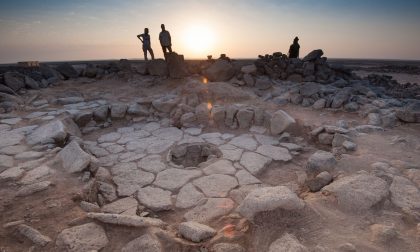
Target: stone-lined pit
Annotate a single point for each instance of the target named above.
(191, 155)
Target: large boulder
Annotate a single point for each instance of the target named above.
(157, 67)
(410, 113)
(176, 65)
(73, 158)
(31, 83)
(221, 70)
(312, 56)
(357, 193)
(280, 121)
(86, 237)
(57, 132)
(67, 71)
(13, 80)
(269, 199)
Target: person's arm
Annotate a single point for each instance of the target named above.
(140, 37)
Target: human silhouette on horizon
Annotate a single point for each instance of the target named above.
(145, 39)
(294, 49)
(165, 40)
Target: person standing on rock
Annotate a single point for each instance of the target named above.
(294, 49)
(145, 39)
(165, 40)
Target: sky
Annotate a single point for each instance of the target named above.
(54, 30)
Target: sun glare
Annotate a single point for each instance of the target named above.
(199, 39)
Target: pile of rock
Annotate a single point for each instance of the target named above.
(336, 137)
(393, 88)
(313, 67)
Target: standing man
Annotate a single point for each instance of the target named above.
(145, 39)
(165, 40)
(294, 49)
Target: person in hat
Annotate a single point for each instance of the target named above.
(165, 40)
(145, 39)
(294, 49)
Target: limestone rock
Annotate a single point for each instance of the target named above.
(188, 196)
(254, 162)
(244, 117)
(127, 220)
(82, 238)
(222, 166)
(56, 131)
(173, 179)
(157, 67)
(315, 54)
(245, 142)
(383, 233)
(274, 152)
(359, 192)
(213, 208)
(321, 161)
(166, 103)
(321, 180)
(155, 198)
(195, 231)
(280, 121)
(221, 70)
(118, 110)
(404, 193)
(245, 178)
(287, 243)
(176, 65)
(216, 185)
(73, 158)
(67, 70)
(269, 199)
(144, 243)
(129, 179)
(34, 235)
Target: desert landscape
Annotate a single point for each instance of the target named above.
(273, 154)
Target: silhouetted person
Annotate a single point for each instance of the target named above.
(294, 49)
(145, 39)
(165, 40)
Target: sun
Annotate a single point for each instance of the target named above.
(199, 39)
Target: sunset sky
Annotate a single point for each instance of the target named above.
(48, 30)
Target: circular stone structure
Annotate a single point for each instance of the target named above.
(193, 154)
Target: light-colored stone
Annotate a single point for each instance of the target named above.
(195, 231)
(152, 163)
(254, 162)
(216, 185)
(6, 161)
(34, 235)
(127, 220)
(280, 121)
(155, 198)
(86, 237)
(10, 138)
(245, 142)
(171, 134)
(404, 193)
(246, 178)
(173, 179)
(129, 179)
(118, 110)
(359, 192)
(287, 243)
(109, 138)
(73, 158)
(227, 247)
(11, 174)
(383, 233)
(144, 243)
(267, 140)
(213, 208)
(222, 166)
(29, 155)
(188, 196)
(321, 161)
(120, 205)
(231, 152)
(159, 146)
(274, 152)
(13, 150)
(56, 131)
(36, 174)
(33, 188)
(269, 199)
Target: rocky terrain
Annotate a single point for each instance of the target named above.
(271, 155)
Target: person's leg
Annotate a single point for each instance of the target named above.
(164, 50)
(151, 53)
(170, 49)
(145, 53)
